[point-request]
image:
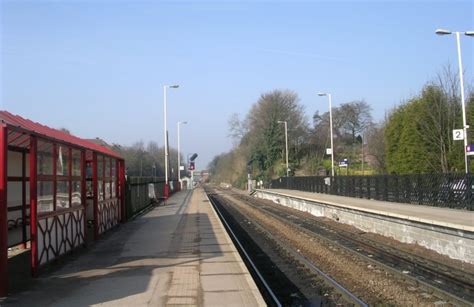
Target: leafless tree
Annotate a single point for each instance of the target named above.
(375, 144)
(237, 128)
(355, 117)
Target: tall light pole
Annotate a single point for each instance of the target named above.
(166, 188)
(286, 144)
(179, 154)
(461, 78)
(330, 129)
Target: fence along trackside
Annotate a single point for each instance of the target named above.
(442, 190)
(137, 192)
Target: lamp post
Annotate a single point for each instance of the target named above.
(166, 188)
(286, 144)
(461, 78)
(330, 129)
(179, 154)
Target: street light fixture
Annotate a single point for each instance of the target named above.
(286, 145)
(330, 129)
(461, 78)
(166, 188)
(179, 154)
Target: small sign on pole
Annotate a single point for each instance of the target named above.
(458, 134)
(343, 163)
(328, 151)
(470, 150)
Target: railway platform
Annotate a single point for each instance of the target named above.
(446, 231)
(176, 254)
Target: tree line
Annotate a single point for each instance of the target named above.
(148, 159)
(414, 137)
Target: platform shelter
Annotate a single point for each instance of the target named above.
(52, 186)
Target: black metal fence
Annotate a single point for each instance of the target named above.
(137, 195)
(442, 190)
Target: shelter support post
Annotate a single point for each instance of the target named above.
(121, 188)
(3, 211)
(83, 192)
(33, 205)
(24, 238)
(95, 196)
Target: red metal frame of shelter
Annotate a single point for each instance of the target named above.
(57, 189)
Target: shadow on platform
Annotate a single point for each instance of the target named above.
(121, 264)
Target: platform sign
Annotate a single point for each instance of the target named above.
(458, 134)
(343, 163)
(470, 150)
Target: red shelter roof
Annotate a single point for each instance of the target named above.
(53, 134)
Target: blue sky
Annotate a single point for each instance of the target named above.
(98, 67)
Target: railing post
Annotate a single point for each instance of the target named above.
(397, 196)
(420, 189)
(469, 193)
(409, 188)
(354, 186)
(361, 186)
(334, 187)
(377, 187)
(369, 186)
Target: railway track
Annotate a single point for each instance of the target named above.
(276, 291)
(447, 283)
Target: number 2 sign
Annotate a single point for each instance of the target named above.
(458, 134)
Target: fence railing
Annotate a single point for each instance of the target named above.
(442, 190)
(137, 192)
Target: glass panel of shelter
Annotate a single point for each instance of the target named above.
(45, 184)
(89, 192)
(100, 177)
(62, 177)
(66, 162)
(45, 196)
(45, 158)
(76, 178)
(107, 178)
(113, 171)
(17, 173)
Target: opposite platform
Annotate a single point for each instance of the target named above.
(446, 231)
(176, 254)
(458, 219)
